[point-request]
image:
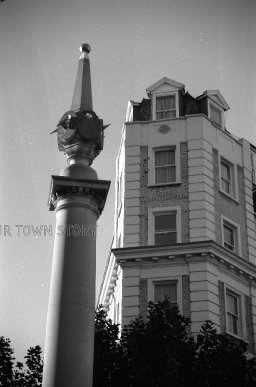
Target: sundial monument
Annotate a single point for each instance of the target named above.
(77, 196)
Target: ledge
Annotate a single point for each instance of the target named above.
(205, 250)
(227, 196)
(160, 185)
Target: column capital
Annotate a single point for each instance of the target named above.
(63, 187)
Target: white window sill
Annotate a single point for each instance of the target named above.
(231, 251)
(234, 336)
(229, 196)
(164, 119)
(163, 184)
(218, 126)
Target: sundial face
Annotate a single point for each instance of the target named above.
(66, 134)
(67, 127)
(83, 127)
(88, 127)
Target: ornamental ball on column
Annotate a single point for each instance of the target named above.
(85, 47)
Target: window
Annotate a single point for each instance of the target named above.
(120, 188)
(165, 228)
(233, 306)
(168, 286)
(116, 318)
(216, 115)
(253, 162)
(254, 198)
(228, 178)
(163, 289)
(164, 225)
(165, 107)
(231, 236)
(165, 166)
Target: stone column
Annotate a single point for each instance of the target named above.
(78, 198)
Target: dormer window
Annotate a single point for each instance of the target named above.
(213, 105)
(165, 107)
(216, 114)
(164, 96)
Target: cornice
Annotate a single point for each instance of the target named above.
(67, 187)
(178, 254)
(185, 252)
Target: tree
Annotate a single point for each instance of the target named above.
(221, 361)
(155, 353)
(19, 375)
(105, 350)
(6, 362)
(160, 352)
(31, 376)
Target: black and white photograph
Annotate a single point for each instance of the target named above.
(127, 193)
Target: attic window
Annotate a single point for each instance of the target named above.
(165, 107)
(216, 114)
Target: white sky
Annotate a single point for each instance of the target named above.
(204, 44)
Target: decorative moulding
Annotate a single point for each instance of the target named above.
(164, 129)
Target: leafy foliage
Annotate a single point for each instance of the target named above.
(105, 349)
(160, 352)
(6, 362)
(19, 375)
(220, 360)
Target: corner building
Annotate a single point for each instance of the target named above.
(184, 214)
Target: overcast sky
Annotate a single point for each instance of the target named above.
(204, 44)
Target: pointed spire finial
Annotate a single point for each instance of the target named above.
(80, 130)
(82, 97)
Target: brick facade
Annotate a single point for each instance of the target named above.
(186, 297)
(249, 323)
(150, 196)
(143, 297)
(143, 190)
(222, 307)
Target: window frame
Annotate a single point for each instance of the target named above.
(173, 148)
(226, 180)
(215, 106)
(163, 282)
(167, 230)
(152, 212)
(178, 279)
(237, 236)
(241, 313)
(253, 167)
(151, 154)
(233, 194)
(165, 94)
(120, 192)
(166, 110)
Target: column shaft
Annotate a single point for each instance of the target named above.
(70, 323)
